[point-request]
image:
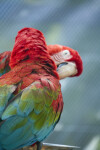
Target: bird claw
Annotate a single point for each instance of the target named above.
(39, 145)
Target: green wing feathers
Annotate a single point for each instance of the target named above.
(5, 95)
(35, 102)
(30, 115)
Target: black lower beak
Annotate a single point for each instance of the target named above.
(62, 64)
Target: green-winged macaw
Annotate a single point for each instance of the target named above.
(60, 55)
(30, 93)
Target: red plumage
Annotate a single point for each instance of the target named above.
(4, 60)
(39, 102)
(30, 46)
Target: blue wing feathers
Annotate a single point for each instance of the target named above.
(26, 121)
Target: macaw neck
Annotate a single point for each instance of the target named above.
(44, 61)
(36, 69)
(29, 54)
(29, 45)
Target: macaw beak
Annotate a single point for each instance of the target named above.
(66, 69)
(62, 64)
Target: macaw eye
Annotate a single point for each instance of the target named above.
(66, 52)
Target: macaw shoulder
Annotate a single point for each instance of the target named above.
(31, 86)
(41, 96)
(17, 74)
(4, 62)
(27, 72)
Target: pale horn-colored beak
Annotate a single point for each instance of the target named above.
(66, 69)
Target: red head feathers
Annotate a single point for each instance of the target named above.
(64, 56)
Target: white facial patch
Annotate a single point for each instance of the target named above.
(62, 56)
(66, 54)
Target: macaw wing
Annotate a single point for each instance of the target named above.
(4, 62)
(30, 116)
(6, 93)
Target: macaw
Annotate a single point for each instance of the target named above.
(30, 93)
(60, 55)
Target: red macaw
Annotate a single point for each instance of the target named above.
(30, 93)
(60, 55)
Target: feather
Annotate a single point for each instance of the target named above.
(28, 93)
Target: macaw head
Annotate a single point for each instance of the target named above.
(67, 60)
